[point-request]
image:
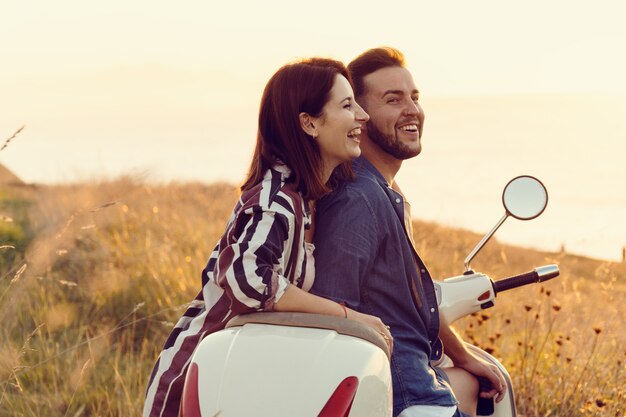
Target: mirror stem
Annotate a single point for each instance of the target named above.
(483, 242)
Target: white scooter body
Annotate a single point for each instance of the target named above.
(301, 365)
(290, 364)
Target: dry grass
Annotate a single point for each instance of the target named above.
(562, 341)
(105, 275)
(87, 305)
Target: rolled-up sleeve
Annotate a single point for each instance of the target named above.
(251, 263)
(346, 242)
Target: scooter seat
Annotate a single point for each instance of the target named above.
(316, 321)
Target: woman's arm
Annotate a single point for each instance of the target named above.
(297, 300)
(249, 253)
(246, 270)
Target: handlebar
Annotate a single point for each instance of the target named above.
(541, 274)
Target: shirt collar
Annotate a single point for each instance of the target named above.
(283, 169)
(363, 165)
(285, 173)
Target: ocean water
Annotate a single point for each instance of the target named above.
(575, 145)
(472, 147)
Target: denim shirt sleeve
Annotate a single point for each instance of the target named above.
(346, 241)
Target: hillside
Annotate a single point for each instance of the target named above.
(8, 178)
(101, 271)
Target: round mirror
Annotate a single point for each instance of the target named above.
(525, 197)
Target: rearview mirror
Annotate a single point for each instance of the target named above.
(525, 197)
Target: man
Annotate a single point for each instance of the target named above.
(366, 256)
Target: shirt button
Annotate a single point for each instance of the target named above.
(432, 309)
(423, 270)
(398, 200)
(430, 342)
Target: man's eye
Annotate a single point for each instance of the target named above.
(392, 100)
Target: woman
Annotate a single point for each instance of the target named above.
(309, 125)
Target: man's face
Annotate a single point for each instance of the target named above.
(396, 118)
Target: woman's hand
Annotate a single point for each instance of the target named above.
(373, 322)
(298, 300)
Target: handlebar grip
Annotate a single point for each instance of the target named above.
(541, 274)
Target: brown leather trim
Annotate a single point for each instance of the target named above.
(316, 321)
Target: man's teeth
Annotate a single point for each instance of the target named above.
(354, 132)
(409, 128)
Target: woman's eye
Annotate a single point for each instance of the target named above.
(347, 106)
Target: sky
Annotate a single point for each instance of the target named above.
(171, 90)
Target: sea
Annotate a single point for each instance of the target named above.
(472, 147)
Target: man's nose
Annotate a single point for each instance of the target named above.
(413, 108)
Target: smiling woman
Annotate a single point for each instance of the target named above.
(336, 130)
(308, 134)
(308, 142)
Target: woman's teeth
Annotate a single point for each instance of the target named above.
(354, 133)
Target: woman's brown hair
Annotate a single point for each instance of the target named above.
(303, 86)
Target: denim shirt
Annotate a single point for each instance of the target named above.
(364, 258)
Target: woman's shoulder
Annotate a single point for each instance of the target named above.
(274, 193)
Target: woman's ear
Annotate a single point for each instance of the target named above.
(307, 123)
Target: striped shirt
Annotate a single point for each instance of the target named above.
(260, 254)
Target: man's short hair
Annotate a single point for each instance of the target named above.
(370, 61)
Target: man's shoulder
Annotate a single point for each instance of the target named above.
(364, 187)
(350, 215)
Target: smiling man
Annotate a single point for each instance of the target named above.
(366, 256)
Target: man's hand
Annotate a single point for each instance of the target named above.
(492, 382)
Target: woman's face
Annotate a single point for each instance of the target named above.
(339, 126)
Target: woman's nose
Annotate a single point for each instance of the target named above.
(360, 115)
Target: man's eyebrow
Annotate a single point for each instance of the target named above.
(399, 92)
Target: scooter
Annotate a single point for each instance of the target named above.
(301, 365)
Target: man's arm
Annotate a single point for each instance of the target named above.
(455, 348)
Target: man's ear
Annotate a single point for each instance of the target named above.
(307, 123)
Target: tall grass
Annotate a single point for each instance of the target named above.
(108, 271)
(109, 266)
(562, 341)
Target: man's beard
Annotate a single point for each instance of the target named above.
(391, 145)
